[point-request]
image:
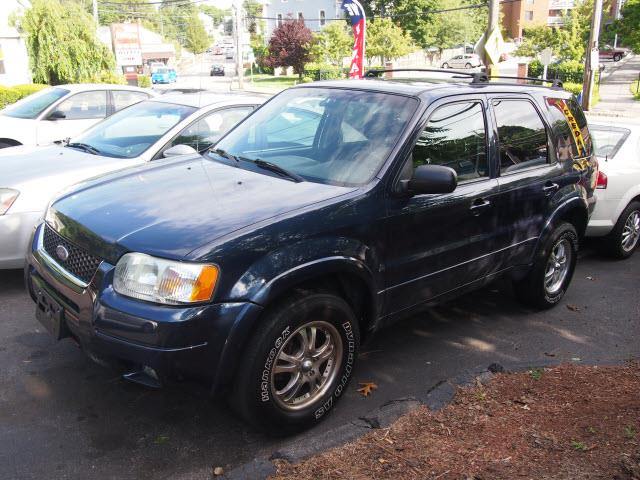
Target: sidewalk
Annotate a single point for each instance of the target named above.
(615, 97)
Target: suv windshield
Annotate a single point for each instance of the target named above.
(324, 135)
(131, 131)
(608, 140)
(35, 104)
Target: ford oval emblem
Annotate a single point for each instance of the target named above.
(62, 253)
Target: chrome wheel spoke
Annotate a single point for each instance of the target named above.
(294, 387)
(558, 265)
(289, 368)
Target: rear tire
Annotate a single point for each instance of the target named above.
(551, 273)
(623, 240)
(468, 65)
(298, 363)
(617, 57)
(445, 65)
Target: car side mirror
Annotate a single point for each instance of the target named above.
(431, 179)
(57, 115)
(178, 150)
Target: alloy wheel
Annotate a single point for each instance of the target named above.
(306, 365)
(631, 231)
(557, 266)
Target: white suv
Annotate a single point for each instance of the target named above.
(63, 111)
(468, 60)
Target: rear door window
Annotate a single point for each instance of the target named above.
(522, 135)
(85, 105)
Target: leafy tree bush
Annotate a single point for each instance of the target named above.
(332, 44)
(324, 71)
(62, 44)
(196, 38)
(386, 40)
(629, 26)
(290, 46)
(567, 71)
(144, 81)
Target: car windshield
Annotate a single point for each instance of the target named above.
(608, 140)
(131, 131)
(324, 135)
(34, 105)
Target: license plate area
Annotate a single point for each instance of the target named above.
(50, 314)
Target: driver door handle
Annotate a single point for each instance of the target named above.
(550, 187)
(479, 205)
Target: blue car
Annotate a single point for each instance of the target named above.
(332, 210)
(164, 75)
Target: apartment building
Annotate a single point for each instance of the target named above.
(519, 15)
(315, 13)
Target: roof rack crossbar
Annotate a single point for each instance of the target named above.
(554, 83)
(475, 76)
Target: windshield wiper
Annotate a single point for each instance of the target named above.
(278, 169)
(227, 155)
(85, 147)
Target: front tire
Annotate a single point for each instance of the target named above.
(623, 240)
(445, 65)
(551, 273)
(298, 363)
(468, 65)
(617, 57)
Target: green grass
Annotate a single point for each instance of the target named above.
(536, 373)
(580, 446)
(264, 80)
(635, 89)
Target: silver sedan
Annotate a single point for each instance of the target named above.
(170, 125)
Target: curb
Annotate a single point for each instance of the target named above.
(439, 396)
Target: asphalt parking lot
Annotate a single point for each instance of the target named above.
(61, 416)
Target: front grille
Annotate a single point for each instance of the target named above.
(80, 263)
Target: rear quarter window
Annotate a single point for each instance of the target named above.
(573, 139)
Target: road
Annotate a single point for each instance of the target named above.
(62, 416)
(194, 73)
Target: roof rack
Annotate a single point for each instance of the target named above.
(476, 77)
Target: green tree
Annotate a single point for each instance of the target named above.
(386, 40)
(253, 9)
(457, 27)
(333, 43)
(196, 38)
(629, 26)
(62, 44)
(217, 14)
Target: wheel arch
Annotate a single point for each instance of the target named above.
(574, 211)
(347, 277)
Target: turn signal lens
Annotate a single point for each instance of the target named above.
(603, 180)
(164, 281)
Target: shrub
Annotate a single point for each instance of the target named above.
(9, 95)
(323, 71)
(144, 81)
(572, 87)
(306, 80)
(109, 77)
(567, 71)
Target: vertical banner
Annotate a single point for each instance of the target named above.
(358, 22)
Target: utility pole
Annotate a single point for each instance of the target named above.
(95, 12)
(237, 31)
(494, 19)
(592, 60)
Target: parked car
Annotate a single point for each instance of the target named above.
(468, 60)
(164, 75)
(217, 70)
(151, 130)
(334, 209)
(615, 54)
(229, 53)
(616, 219)
(56, 113)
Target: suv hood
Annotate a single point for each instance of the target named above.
(171, 208)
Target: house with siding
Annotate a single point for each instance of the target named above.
(315, 13)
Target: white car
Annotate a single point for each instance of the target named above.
(166, 126)
(468, 60)
(56, 113)
(616, 218)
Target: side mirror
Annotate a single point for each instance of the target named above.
(178, 150)
(57, 115)
(432, 179)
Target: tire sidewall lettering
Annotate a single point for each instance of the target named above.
(268, 365)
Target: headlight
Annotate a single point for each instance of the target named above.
(7, 197)
(164, 281)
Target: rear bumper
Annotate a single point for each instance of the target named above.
(177, 342)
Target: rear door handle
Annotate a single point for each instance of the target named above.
(479, 205)
(549, 188)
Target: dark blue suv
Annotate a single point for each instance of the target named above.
(332, 210)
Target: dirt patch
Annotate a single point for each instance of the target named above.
(567, 422)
